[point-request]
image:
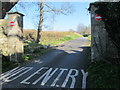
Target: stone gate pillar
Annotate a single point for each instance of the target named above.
(101, 45)
(0, 10)
(0, 51)
(98, 36)
(15, 36)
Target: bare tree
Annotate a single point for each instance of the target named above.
(80, 27)
(84, 30)
(40, 21)
(65, 9)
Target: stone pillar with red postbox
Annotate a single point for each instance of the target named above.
(15, 36)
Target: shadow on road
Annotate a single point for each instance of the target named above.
(74, 58)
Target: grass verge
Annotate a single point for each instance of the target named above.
(33, 50)
(89, 37)
(7, 65)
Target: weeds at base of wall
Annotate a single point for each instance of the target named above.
(104, 75)
(32, 50)
(7, 65)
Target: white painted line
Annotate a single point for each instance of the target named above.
(84, 79)
(25, 80)
(72, 77)
(29, 68)
(58, 77)
(11, 73)
(47, 76)
(16, 73)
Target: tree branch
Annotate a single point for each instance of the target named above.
(56, 11)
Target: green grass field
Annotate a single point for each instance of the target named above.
(55, 38)
(52, 37)
(33, 50)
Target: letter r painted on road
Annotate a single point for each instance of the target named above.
(72, 77)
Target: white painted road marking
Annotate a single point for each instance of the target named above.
(7, 73)
(37, 72)
(71, 76)
(6, 77)
(84, 79)
(12, 73)
(16, 72)
(58, 77)
(46, 76)
(29, 68)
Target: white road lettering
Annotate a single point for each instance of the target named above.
(25, 81)
(16, 73)
(8, 72)
(84, 78)
(58, 77)
(29, 68)
(47, 76)
(70, 76)
(13, 72)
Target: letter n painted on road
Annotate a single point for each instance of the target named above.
(25, 81)
(47, 76)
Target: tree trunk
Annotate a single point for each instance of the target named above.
(6, 6)
(40, 21)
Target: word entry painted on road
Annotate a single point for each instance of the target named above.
(45, 77)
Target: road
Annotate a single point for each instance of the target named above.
(63, 67)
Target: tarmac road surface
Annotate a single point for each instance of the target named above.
(63, 67)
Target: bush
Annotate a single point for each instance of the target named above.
(26, 58)
(89, 37)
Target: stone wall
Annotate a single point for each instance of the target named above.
(11, 37)
(101, 45)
